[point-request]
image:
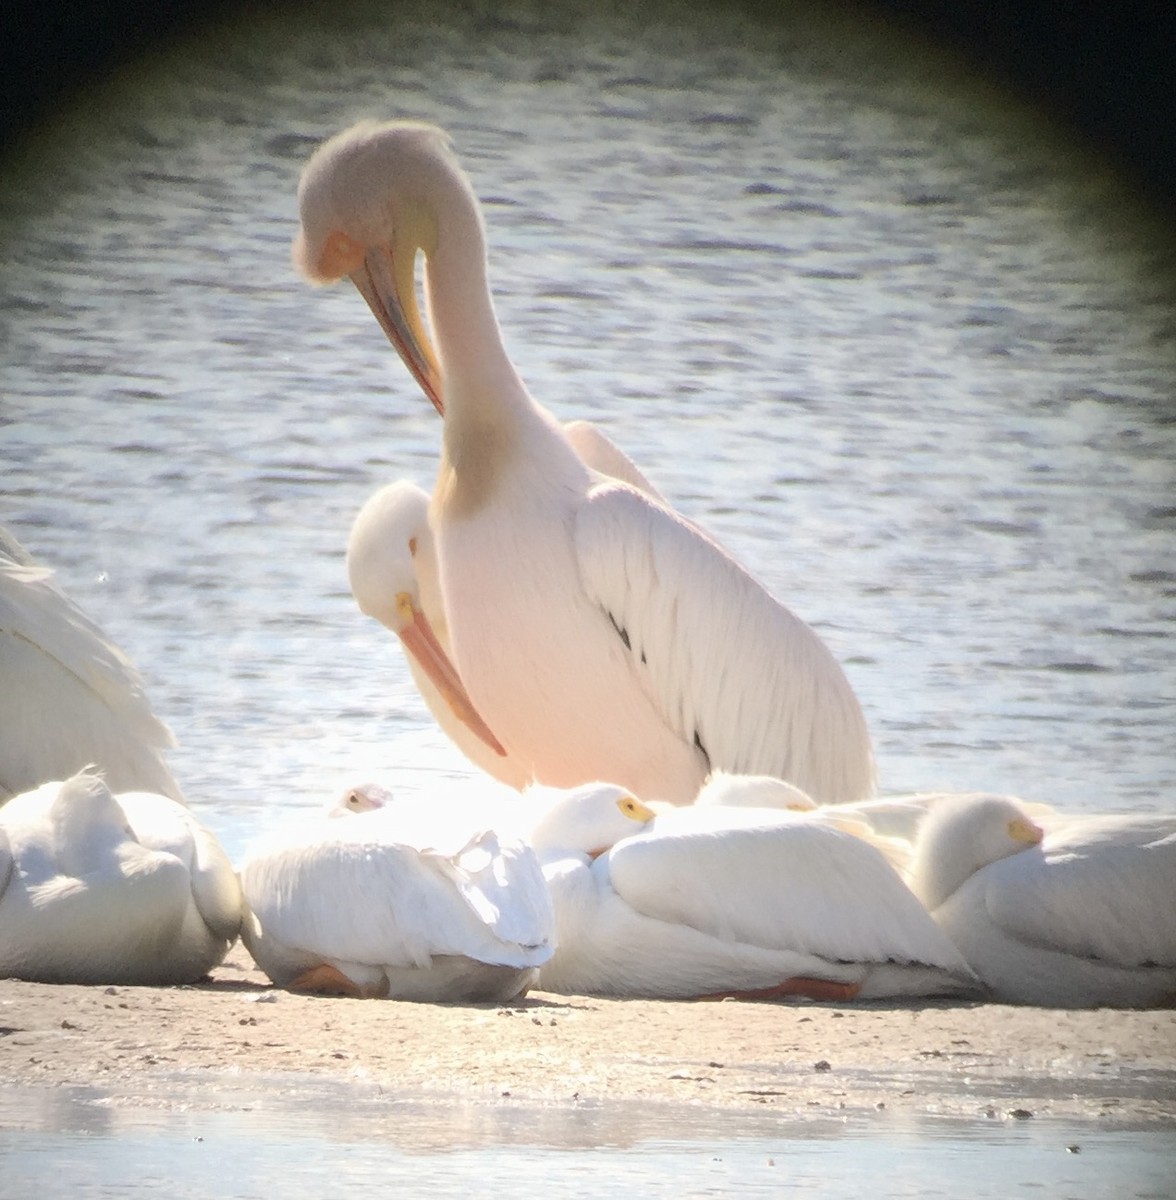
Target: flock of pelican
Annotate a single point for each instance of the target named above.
(695, 812)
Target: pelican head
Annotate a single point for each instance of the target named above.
(367, 202)
(963, 834)
(383, 543)
(590, 820)
(724, 789)
(386, 537)
(363, 797)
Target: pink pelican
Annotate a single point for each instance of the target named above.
(597, 633)
(392, 570)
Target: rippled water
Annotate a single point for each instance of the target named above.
(905, 354)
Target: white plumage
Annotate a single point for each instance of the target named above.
(872, 820)
(1081, 916)
(68, 696)
(97, 888)
(730, 901)
(597, 633)
(387, 903)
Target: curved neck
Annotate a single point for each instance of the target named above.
(939, 868)
(494, 430)
(474, 362)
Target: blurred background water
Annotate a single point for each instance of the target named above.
(908, 353)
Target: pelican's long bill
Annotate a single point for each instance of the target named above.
(421, 642)
(388, 285)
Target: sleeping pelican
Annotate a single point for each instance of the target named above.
(762, 792)
(97, 888)
(1082, 916)
(70, 696)
(888, 822)
(754, 903)
(361, 797)
(370, 906)
(597, 633)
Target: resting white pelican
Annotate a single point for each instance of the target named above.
(361, 797)
(70, 697)
(888, 822)
(762, 792)
(97, 888)
(367, 906)
(757, 903)
(597, 633)
(728, 790)
(1081, 916)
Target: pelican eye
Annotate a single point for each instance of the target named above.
(633, 808)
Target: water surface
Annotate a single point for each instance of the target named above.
(315, 1139)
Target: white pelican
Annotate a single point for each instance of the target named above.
(888, 822)
(597, 633)
(97, 888)
(763, 792)
(362, 797)
(703, 902)
(1081, 916)
(70, 697)
(367, 906)
(728, 790)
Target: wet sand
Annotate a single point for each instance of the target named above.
(800, 1059)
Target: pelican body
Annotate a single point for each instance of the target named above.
(68, 696)
(730, 901)
(598, 634)
(96, 888)
(1081, 916)
(371, 906)
(391, 566)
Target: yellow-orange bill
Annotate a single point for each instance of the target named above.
(390, 291)
(421, 642)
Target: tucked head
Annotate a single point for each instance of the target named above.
(590, 820)
(963, 834)
(753, 791)
(363, 797)
(381, 548)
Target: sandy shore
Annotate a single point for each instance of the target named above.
(802, 1059)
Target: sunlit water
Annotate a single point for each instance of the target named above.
(316, 1139)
